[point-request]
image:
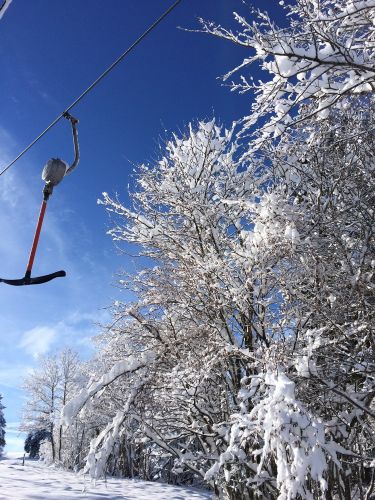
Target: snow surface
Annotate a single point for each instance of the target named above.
(36, 481)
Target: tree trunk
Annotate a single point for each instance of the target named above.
(53, 447)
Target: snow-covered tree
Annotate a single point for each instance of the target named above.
(40, 410)
(172, 346)
(247, 359)
(325, 52)
(48, 387)
(33, 441)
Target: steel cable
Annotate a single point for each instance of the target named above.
(95, 82)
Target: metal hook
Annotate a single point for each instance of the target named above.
(74, 123)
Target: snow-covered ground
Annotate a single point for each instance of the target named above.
(36, 481)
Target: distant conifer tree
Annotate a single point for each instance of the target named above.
(2, 427)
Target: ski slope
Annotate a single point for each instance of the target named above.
(36, 481)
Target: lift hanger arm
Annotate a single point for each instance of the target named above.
(74, 123)
(53, 173)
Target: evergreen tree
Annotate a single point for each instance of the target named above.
(33, 441)
(2, 426)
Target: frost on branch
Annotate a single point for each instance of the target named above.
(326, 52)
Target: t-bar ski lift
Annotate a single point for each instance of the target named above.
(53, 173)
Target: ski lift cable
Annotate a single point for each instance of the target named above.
(94, 83)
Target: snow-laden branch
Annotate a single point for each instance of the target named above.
(73, 407)
(282, 428)
(326, 52)
(102, 446)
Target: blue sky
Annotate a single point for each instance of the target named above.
(50, 52)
